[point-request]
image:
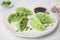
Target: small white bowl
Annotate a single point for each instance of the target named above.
(9, 6)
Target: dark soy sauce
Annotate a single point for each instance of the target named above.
(39, 9)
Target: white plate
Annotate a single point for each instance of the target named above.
(33, 33)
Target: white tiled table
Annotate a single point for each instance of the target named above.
(4, 35)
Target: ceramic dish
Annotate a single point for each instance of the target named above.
(33, 33)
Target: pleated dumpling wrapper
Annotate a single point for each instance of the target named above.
(44, 18)
(35, 23)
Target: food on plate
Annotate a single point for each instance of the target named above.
(20, 16)
(28, 28)
(14, 17)
(23, 11)
(6, 3)
(20, 12)
(44, 18)
(37, 24)
(22, 24)
(39, 9)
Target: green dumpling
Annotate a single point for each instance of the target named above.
(37, 24)
(14, 17)
(22, 24)
(44, 17)
(23, 11)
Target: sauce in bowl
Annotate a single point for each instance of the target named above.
(39, 9)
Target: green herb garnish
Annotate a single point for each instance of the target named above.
(30, 28)
(27, 28)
